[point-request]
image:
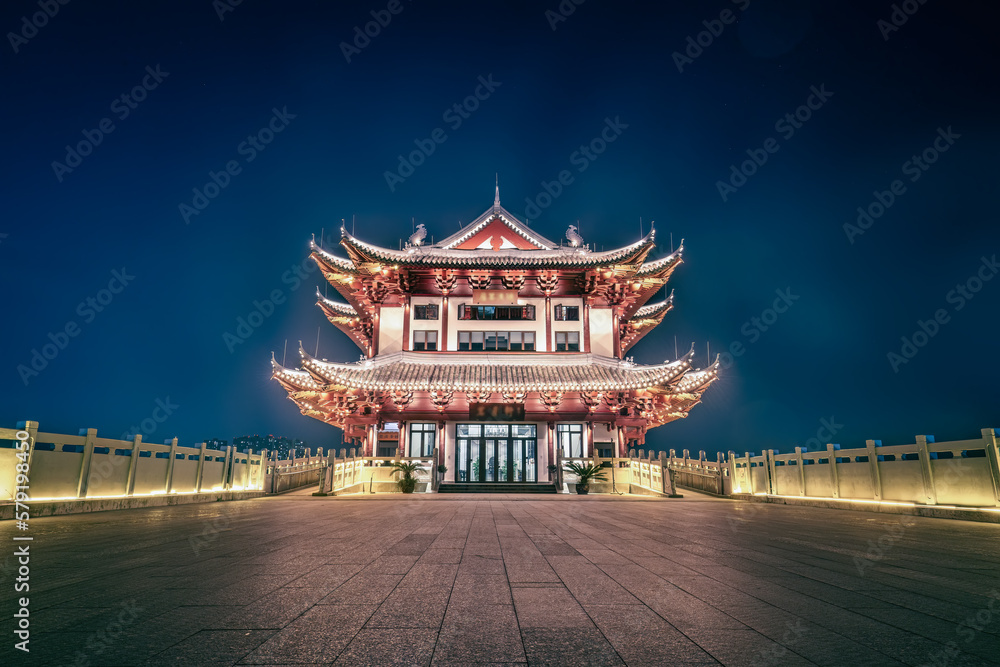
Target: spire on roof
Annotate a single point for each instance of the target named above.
(496, 199)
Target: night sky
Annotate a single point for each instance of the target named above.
(107, 223)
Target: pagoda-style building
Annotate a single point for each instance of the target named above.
(497, 346)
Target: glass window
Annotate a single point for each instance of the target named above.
(425, 312)
(467, 312)
(424, 340)
(493, 341)
(422, 439)
(567, 341)
(570, 439)
(567, 313)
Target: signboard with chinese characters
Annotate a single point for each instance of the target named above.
(496, 412)
(494, 296)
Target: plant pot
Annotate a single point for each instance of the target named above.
(407, 485)
(582, 489)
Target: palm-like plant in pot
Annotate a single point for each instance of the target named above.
(408, 481)
(585, 473)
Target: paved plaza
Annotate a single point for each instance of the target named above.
(539, 580)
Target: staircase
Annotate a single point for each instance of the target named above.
(502, 487)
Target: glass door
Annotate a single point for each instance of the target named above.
(495, 452)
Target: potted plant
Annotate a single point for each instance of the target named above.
(585, 473)
(408, 481)
(442, 468)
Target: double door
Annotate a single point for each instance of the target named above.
(496, 453)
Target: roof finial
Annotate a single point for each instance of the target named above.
(496, 199)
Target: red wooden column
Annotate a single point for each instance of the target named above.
(444, 324)
(549, 345)
(440, 444)
(375, 329)
(617, 334)
(552, 443)
(586, 325)
(590, 439)
(406, 324)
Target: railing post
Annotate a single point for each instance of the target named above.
(993, 457)
(802, 471)
(749, 470)
(831, 454)
(732, 468)
(274, 472)
(32, 428)
(720, 482)
(88, 455)
(227, 467)
(168, 485)
(133, 465)
(769, 471)
(930, 491)
(201, 468)
(871, 445)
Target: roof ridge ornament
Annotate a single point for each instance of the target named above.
(496, 198)
(574, 237)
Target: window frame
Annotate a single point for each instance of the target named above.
(420, 311)
(425, 338)
(567, 344)
(564, 313)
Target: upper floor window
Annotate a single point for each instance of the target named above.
(425, 312)
(496, 341)
(567, 341)
(567, 313)
(425, 340)
(467, 312)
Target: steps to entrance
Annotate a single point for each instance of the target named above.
(502, 487)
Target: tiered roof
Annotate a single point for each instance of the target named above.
(500, 250)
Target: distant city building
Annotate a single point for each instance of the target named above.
(215, 443)
(272, 443)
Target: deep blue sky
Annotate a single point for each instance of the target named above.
(162, 336)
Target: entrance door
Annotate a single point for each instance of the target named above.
(495, 452)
